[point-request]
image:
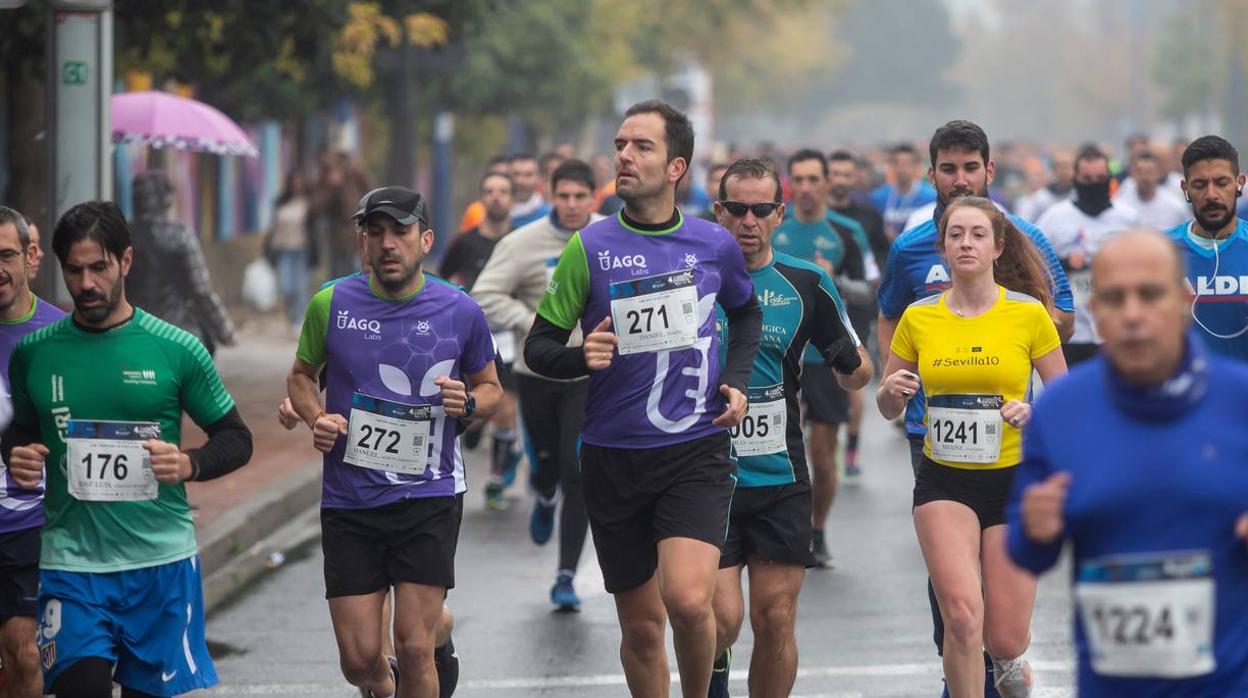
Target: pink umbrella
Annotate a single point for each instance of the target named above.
(162, 120)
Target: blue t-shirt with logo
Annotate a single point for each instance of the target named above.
(1221, 301)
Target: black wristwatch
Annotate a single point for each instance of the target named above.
(470, 405)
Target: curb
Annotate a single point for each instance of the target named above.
(234, 549)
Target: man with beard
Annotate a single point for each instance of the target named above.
(405, 357)
(461, 265)
(99, 397)
(21, 511)
(1076, 228)
(961, 166)
(1215, 245)
(656, 469)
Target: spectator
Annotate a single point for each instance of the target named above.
(290, 247)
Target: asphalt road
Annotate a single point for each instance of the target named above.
(864, 627)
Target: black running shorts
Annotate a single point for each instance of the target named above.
(770, 524)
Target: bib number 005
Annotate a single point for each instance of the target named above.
(763, 430)
(106, 461)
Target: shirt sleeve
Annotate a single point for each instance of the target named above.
(568, 290)
(903, 341)
(1044, 338)
(311, 349)
(1031, 556)
(23, 408)
(831, 320)
(203, 395)
(479, 347)
(1063, 299)
(496, 284)
(894, 295)
(736, 288)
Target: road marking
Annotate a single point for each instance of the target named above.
(592, 680)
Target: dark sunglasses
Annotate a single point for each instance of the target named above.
(737, 209)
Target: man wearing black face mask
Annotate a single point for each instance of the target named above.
(1076, 228)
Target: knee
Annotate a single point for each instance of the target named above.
(415, 651)
(774, 619)
(358, 664)
(688, 607)
(642, 636)
(964, 620)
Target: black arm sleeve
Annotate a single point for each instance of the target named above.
(745, 331)
(547, 353)
(18, 435)
(227, 450)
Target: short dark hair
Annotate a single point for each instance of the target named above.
(548, 157)
(1089, 152)
(8, 215)
(495, 160)
(1144, 156)
(962, 135)
(751, 168)
(677, 128)
(904, 148)
(808, 154)
(842, 156)
(1210, 148)
(573, 170)
(520, 156)
(486, 177)
(100, 221)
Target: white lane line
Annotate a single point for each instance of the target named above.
(592, 680)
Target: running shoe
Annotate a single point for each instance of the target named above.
(1012, 680)
(563, 594)
(394, 672)
(852, 471)
(819, 547)
(719, 677)
(990, 691)
(494, 496)
(446, 662)
(542, 521)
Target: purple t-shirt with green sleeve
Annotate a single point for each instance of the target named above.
(660, 287)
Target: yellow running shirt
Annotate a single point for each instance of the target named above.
(969, 368)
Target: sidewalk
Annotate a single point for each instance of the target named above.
(235, 514)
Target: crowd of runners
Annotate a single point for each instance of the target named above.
(674, 343)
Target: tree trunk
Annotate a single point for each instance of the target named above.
(396, 86)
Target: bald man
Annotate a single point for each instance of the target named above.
(1139, 458)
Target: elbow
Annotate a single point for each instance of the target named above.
(1065, 324)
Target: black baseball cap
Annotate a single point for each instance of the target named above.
(400, 203)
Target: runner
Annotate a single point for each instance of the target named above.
(21, 513)
(907, 191)
(1159, 560)
(461, 265)
(509, 290)
(526, 181)
(100, 397)
(655, 463)
(1155, 207)
(815, 234)
(973, 348)
(770, 525)
(1076, 228)
(1214, 245)
(397, 353)
(842, 172)
(961, 166)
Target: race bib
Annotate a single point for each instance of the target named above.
(1080, 286)
(106, 461)
(385, 435)
(505, 344)
(655, 313)
(1149, 615)
(763, 429)
(964, 428)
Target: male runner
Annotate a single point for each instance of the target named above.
(908, 191)
(21, 511)
(1155, 207)
(961, 166)
(99, 399)
(1076, 228)
(509, 290)
(836, 244)
(526, 180)
(655, 463)
(770, 525)
(1137, 458)
(404, 357)
(461, 265)
(1214, 246)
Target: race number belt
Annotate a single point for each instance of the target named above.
(1148, 615)
(763, 429)
(964, 428)
(655, 313)
(106, 461)
(385, 435)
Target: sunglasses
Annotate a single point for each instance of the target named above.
(737, 209)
